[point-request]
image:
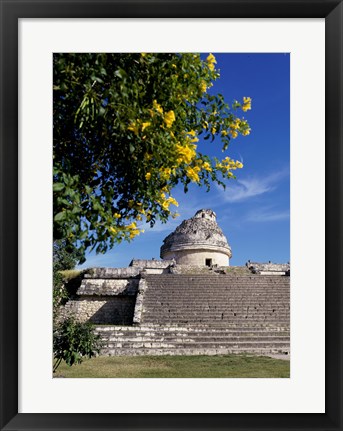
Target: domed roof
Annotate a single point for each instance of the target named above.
(199, 232)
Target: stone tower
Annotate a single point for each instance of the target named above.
(198, 241)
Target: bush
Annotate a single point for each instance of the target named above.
(73, 341)
(64, 262)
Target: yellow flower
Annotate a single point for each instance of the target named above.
(192, 173)
(246, 104)
(213, 130)
(157, 107)
(186, 153)
(203, 86)
(145, 125)
(207, 166)
(174, 66)
(192, 133)
(211, 61)
(112, 229)
(165, 173)
(134, 233)
(169, 118)
(165, 205)
(234, 133)
(148, 176)
(246, 132)
(133, 127)
(132, 225)
(173, 201)
(235, 124)
(224, 132)
(116, 215)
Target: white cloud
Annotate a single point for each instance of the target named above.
(243, 189)
(267, 214)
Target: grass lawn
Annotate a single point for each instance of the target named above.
(177, 366)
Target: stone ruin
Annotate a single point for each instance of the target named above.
(190, 302)
(198, 241)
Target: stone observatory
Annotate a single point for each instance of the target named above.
(198, 241)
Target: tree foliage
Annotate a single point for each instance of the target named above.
(126, 128)
(73, 341)
(64, 257)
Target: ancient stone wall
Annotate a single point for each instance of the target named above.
(102, 309)
(198, 257)
(105, 296)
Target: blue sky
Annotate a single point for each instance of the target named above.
(254, 210)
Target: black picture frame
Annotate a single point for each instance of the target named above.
(11, 11)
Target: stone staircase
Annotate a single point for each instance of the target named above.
(206, 314)
(188, 340)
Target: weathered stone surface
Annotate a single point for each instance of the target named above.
(110, 287)
(197, 241)
(187, 340)
(151, 264)
(216, 299)
(102, 310)
(137, 317)
(113, 272)
(269, 268)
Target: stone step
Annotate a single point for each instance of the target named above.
(223, 316)
(193, 331)
(219, 310)
(200, 344)
(269, 278)
(218, 289)
(219, 293)
(192, 335)
(249, 301)
(151, 342)
(196, 337)
(223, 283)
(219, 286)
(217, 316)
(196, 351)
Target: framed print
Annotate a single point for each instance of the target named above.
(310, 35)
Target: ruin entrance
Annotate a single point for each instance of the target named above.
(208, 262)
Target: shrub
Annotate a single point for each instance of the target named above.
(73, 341)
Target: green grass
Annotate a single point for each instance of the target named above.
(70, 274)
(229, 366)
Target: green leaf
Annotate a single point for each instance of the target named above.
(57, 187)
(84, 234)
(60, 216)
